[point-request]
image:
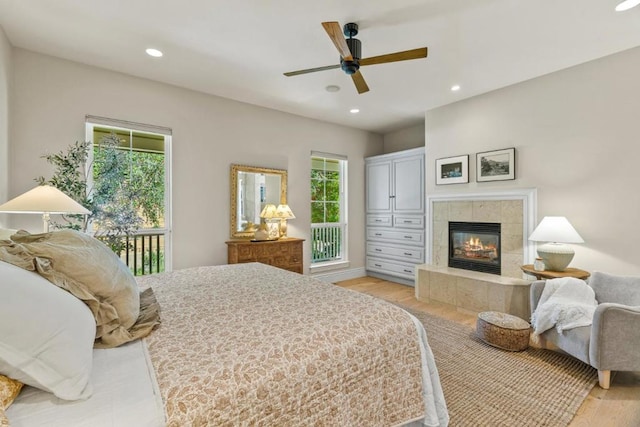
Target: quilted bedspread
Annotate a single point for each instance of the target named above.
(250, 344)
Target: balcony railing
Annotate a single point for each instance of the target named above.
(326, 242)
(144, 252)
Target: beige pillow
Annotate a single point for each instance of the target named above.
(89, 270)
(9, 390)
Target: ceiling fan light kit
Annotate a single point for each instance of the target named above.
(350, 50)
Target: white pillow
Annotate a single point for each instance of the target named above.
(46, 334)
(5, 233)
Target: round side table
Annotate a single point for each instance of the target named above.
(546, 274)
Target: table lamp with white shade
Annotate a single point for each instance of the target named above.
(44, 200)
(556, 231)
(284, 213)
(269, 215)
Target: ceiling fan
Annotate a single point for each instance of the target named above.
(350, 50)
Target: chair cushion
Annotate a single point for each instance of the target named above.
(574, 341)
(618, 289)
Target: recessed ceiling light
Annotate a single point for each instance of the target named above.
(455, 88)
(626, 5)
(354, 110)
(332, 88)
(154, 52)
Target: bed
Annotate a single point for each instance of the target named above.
(250, 344)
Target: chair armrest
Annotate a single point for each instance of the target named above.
(615, 338)
(535, 292)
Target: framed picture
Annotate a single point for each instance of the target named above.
(498, 165)
(452, 170)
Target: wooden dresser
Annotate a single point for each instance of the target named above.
(284, 253)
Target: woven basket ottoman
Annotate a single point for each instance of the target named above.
(503, 330)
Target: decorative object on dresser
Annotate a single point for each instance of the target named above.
(498, 165)
(285, 253)
(452, 170)
(555, 230)
(395, 215)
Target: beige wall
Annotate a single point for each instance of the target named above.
(52, 97)
(576, 138)
(5, 84)
(404, 139)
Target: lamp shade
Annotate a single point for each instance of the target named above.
(44, 199)
(555, 229)
(284, 212)
(268, 212)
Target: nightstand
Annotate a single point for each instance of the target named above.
(569, 272)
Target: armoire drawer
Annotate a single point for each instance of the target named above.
(408, 253)
(379, 220)
(408, 221)
(394, 268)
(396, 236)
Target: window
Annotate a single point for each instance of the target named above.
(129, 184)
(328, 208)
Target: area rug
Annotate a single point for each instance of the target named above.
(486, 386)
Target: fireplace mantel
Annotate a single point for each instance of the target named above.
(485, 206)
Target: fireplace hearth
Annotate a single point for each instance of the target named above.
(475, 246)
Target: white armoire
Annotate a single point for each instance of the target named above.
(395, 228)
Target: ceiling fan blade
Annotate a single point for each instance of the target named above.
(311, 70)
(334, 31)
(358, 80)
(395, 57)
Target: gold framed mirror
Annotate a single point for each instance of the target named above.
(251, 189)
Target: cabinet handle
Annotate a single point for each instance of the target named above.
(378, 220)
(378, 265)
(392, 197)
(408, 221)
(408, 237)
(408, 254)
(379, 250)
(407, 271)
(378, 234)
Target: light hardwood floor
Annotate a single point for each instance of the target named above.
(618, 406)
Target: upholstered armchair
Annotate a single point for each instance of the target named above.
(612, 342)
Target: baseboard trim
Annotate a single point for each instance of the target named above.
(390, 278)
(337, 276)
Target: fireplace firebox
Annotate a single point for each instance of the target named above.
(475, 246)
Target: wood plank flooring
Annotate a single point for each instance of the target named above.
(617, 407)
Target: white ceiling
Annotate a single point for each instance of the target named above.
(239, 49)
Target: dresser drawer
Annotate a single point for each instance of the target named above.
(394, 268)
(379, 220)
(408, 253)
(396, 236)
(408, 221)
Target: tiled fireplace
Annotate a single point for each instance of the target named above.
(512, 211)
(500, 223)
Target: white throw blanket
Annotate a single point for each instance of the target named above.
(566, 303)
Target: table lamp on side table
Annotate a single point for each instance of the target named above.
(556, 231)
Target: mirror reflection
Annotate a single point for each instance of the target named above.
(251, 189)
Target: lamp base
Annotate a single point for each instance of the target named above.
(556, 256)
